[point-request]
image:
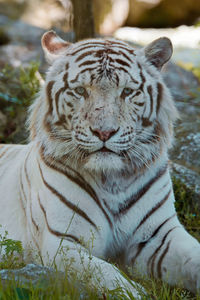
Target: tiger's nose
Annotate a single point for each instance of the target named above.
(104, 135)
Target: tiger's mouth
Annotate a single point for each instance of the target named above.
(105, 150)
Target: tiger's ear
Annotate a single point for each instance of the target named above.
(159, 52)
(53, 46)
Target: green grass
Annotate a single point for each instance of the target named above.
(17, 90)
(188, 211)
(58, 287)
(19, 85)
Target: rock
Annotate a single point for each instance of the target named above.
(186, 149)
(18, 55)
(162, 13)
(182, 83)
(30, 273)
(24, 43)
(37, 276)
(190, 179)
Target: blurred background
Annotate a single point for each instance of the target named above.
(108, 14)
(22, 65)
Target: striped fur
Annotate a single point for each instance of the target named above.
(97, 165)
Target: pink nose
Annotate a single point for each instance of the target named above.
(103, 135)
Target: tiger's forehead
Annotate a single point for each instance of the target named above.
(100, 50)
(97, 44)
(95, 60)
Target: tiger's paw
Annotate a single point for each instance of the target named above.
(115, 280)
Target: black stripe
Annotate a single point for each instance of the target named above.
(57, 95)
(126, 56)
(65, 201)
(75, 79)
(117, 79)
(159, 265)
(122, 62)
(133, 79)
(88, 62)
(146, 122)
(25, 170)
(92, 78)
(83, 55)
(32, 219)
(152, 258)
(3, 153)
(113, 42)
(70, 93)
(159, 96)
(69, 103)
(152, 211)
(65, 80)
(86, 70)
(138, 103)
(130, 51)
(23, 193)
(49, 98)
(56, 232)
(161, 225)
(142, 77)
(142, 245)
(77, 179)
(87, 46)
(126, 71)
(29, 185)
(67, 66)
(120, 69)
(30, 201)
(137, 94)
(149, 90)
(133, 199)
(62, 122)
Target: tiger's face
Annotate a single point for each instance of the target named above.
(105, 102)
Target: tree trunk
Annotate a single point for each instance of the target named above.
(83, 19)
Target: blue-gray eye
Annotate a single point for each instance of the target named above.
(81, 90)
(126, 92)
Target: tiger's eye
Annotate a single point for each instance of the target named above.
(80, 90)
(126, 92)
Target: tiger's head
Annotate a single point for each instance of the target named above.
(104, 105)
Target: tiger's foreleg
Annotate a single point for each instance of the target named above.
(173, 257)
(73, 257)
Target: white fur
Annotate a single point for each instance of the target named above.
(36, 180)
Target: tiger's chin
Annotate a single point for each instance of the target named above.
(104, 162)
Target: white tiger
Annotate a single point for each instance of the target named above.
(97, 165)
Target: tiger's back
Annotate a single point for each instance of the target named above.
(12, 218)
